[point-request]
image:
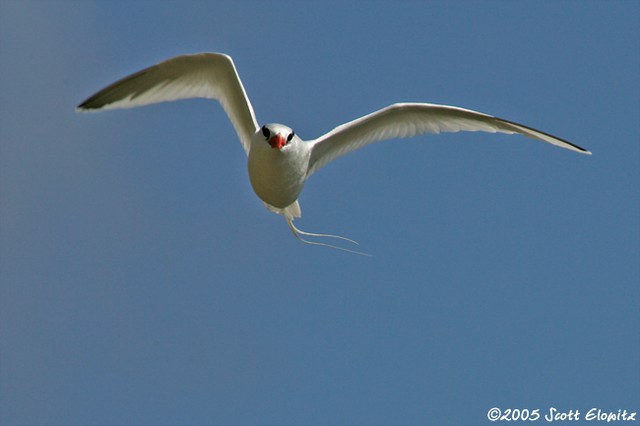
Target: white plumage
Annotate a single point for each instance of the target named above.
(279, 161)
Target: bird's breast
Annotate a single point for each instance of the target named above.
(277, 176)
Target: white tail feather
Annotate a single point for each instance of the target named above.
(293, 211)
(297, 232)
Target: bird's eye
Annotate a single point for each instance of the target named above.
(290, 136)
(265, 132)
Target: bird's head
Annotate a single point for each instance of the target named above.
(277, 135)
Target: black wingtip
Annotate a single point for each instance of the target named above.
(88, 105)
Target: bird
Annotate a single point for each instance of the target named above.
(279, 161)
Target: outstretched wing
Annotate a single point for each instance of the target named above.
(204, 75)
(413, 119)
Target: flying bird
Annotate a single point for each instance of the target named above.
(279, 161)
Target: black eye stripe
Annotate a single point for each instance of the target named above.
(265, 131)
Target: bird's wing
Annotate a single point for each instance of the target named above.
(412, 119)
(204, 75)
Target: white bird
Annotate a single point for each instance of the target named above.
(279, 161)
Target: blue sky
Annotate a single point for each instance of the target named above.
(143, 283)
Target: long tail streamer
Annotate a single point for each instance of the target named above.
(297, 232)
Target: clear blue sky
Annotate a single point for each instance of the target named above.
(143, 283)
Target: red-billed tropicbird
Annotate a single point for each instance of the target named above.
(279, 161)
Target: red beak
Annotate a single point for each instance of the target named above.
(277, 142)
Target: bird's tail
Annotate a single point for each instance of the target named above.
(290, 212)
(293, 211)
